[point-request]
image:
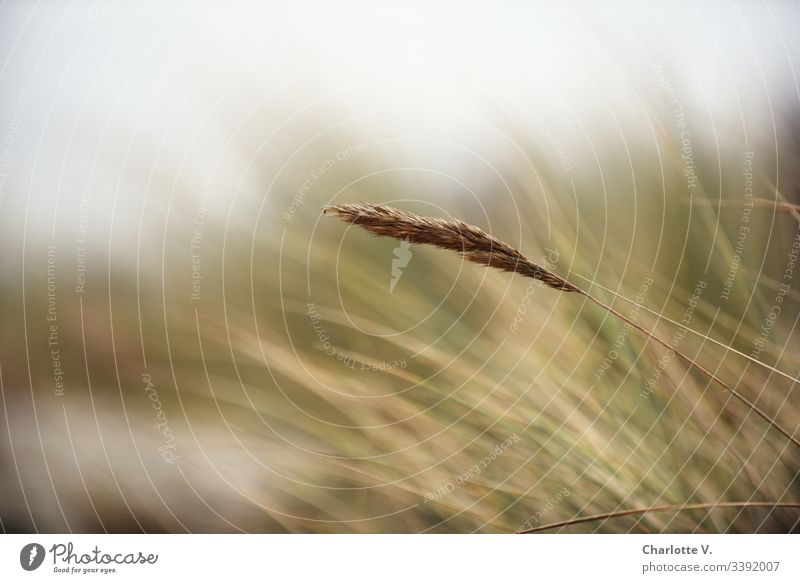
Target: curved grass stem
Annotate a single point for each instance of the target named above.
(665, 508)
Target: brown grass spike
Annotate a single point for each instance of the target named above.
(471, 242)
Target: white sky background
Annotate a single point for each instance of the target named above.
(136, 96)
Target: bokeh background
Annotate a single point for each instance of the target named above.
(188, 344)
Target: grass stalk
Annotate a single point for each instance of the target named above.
(666, 508)
(479, 247)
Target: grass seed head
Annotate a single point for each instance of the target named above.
(469, 241)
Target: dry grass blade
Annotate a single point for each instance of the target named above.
(479, 247)
(677, 508)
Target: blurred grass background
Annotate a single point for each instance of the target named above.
(216, 150)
